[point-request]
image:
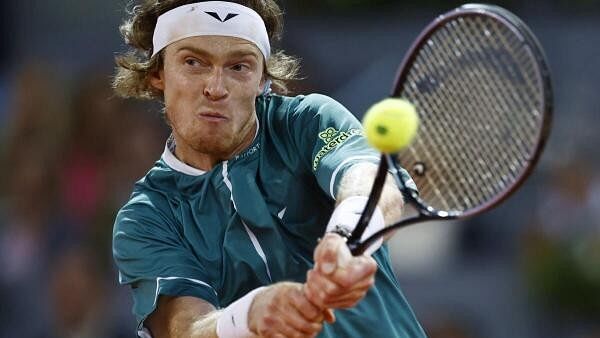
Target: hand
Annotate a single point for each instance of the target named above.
(282, 310)
(338, 279)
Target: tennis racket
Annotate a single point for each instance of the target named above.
(481, 87)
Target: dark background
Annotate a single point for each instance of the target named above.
(71, 152)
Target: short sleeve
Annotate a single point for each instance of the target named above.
(152, 258)
(329, 138)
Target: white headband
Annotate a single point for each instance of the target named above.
(211, 18)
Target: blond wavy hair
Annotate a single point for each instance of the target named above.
(135, 66)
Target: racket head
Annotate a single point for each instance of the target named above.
(481, 86)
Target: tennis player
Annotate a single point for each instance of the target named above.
(232, 233)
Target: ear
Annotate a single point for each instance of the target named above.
(156, 80)
(261, 86)
(264, 86)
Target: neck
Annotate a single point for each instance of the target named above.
(206, 161)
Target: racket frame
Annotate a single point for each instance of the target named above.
(426, 212)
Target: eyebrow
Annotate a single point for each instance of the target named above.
(235, 53)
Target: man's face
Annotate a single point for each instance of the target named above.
(210, 84)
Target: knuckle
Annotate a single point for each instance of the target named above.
(310, 311)
(317, 327)
(264, 331)
(310, 277)
(308, 293)
(370, 263)
(322, 295)
(331, 289)
(345, 281)
(271, 310)
(298, 334)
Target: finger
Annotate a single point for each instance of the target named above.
(326, 253)
(298, 322)
(325, 314)
(317, 283)
(305, 307)
(329, 316)
(318, 288)
(275, 313)
(301, 314)
(327, 294)
(359, 269)
(279, 323)
(347, 300)
(342, 281)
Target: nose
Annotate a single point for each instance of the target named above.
(215, 88)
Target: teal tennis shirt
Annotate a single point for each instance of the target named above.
(253, 220)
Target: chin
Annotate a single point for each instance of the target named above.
(216, 146)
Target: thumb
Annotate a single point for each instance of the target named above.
(330, 253)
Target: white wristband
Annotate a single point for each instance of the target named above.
(233, 321)
(347, 214)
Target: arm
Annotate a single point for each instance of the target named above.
(338, 279)
(278, 309)
(146, 246)
(183, 317)
(357, 181)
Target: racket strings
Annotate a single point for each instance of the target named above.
(486, 87)
(488, 79)
(450, 122)
(491, 78)
(477, 88)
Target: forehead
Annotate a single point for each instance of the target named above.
(216, 46)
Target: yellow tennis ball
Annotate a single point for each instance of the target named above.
(391, 124)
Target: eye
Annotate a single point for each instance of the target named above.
(239, 67)
(192, 62)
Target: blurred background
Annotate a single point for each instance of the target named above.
(71, 151)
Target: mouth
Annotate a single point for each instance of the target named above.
(212, 116)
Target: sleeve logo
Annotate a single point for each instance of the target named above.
(333, 139)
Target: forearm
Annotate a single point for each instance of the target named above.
(204, 327)
(358, 180)
(278, 309)
(183, 317)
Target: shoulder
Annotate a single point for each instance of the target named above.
(144, 210)
(142, 224)
(149, 203)
(314, 100)
(301, 105)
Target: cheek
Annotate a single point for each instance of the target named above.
(179, 95)
(176, 86)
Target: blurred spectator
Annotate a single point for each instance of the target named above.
(30, 227)
(24, 244)
(110, 144)
(70, 152)
(94, 126)
(561, 247)
(66, 172)
(449, 328)
(37, 112)
(6, 39)
(78, 298)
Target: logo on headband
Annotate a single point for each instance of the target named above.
(216, 16)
